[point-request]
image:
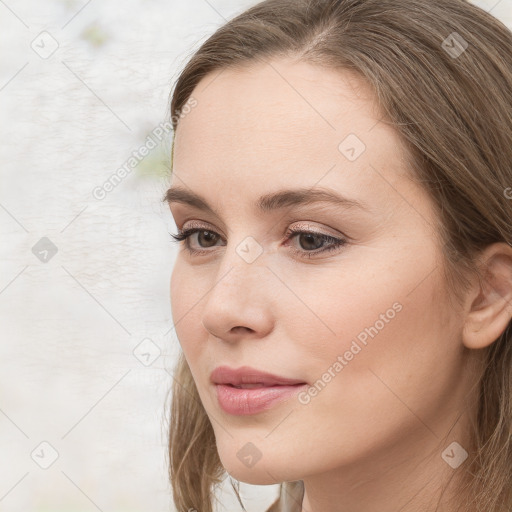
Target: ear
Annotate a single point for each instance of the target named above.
(490, 300)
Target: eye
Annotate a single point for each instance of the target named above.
(312, 242)
(203, 234)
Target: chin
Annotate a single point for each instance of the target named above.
(254, 476)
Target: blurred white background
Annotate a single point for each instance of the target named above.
(87, 341)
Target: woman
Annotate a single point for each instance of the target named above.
(343, 290)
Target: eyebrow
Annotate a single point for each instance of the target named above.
(269, 202)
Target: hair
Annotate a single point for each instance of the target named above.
(454, 114)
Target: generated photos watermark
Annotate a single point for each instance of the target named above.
(343, 360)
(152, 141)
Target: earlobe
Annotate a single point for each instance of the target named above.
(490, 310)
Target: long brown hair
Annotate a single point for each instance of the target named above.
(442, 73)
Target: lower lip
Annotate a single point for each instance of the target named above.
(245, 401)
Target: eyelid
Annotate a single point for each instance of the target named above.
(320, 231)
(194, 224)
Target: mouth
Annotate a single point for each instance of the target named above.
(247, 391)
(244, 401)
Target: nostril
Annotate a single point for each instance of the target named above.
(238, 327)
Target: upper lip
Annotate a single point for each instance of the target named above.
(248, 375)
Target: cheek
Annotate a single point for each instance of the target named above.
(382, 337)
(368, 332)
(361, 299)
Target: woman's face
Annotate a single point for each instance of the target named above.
(366, 326)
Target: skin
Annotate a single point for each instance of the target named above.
(372, 438)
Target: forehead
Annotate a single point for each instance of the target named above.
(267, 125)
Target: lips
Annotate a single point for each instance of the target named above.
(247, 377)
(246, 391)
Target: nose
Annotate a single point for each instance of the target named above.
(239, 304)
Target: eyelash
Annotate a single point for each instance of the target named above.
(335, 242)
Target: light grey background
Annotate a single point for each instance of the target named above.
(83, 84)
